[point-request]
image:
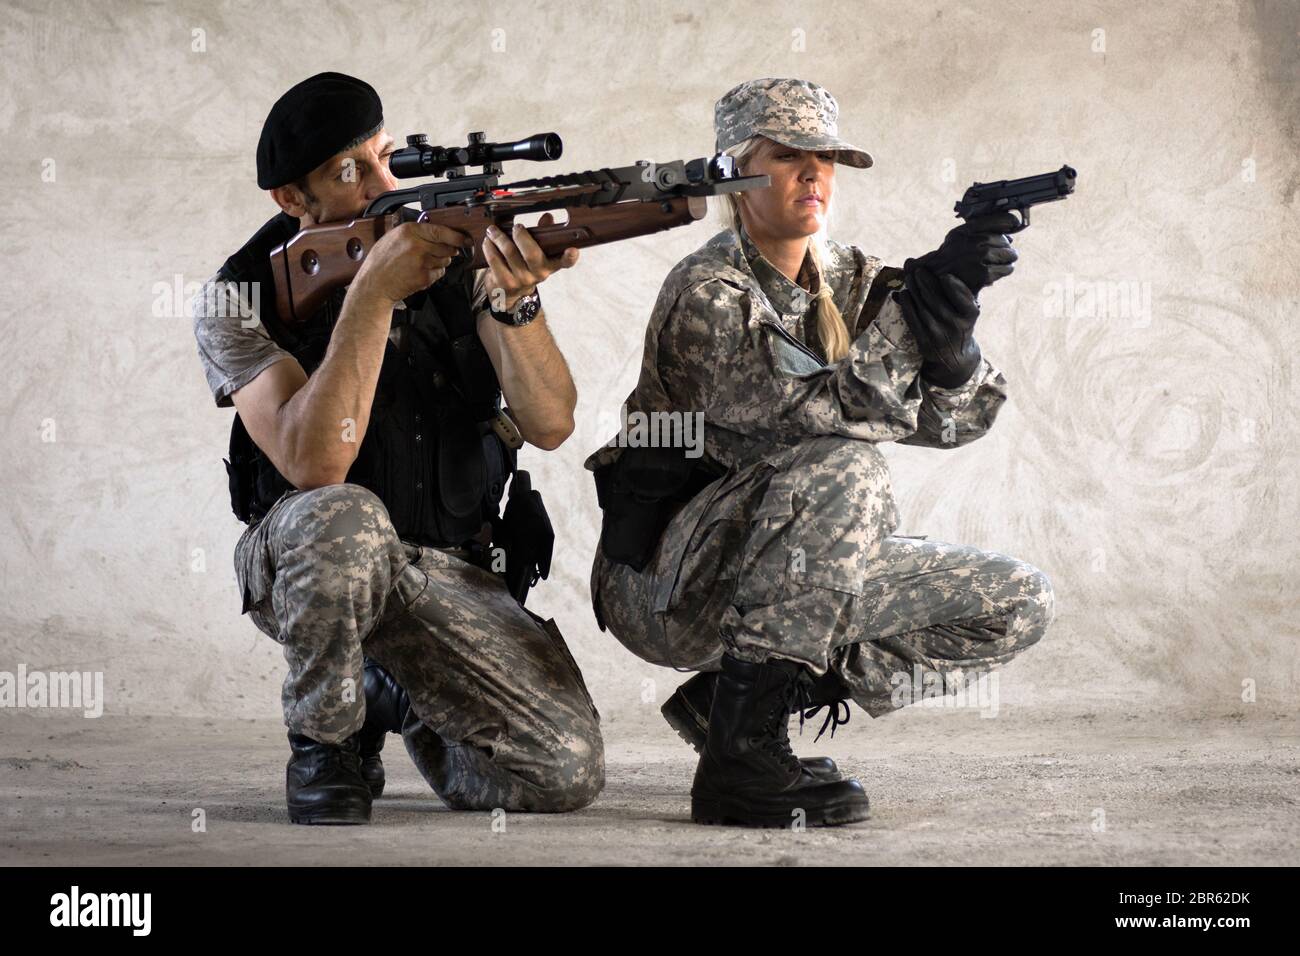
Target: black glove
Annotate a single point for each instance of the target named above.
(977, 252)
(941, 313)
(939, 302)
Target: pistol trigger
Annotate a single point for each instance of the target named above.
(1024, 218)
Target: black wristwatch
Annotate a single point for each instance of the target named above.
(525, 311)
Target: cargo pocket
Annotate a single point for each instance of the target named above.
(562, 650)
(765, 566)
(777, 501)
(681, 538)
(785, 551)
(255, 575)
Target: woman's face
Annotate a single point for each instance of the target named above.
(796, 204)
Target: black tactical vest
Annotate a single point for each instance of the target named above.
(429, 452)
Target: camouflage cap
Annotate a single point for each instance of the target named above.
(795, 113)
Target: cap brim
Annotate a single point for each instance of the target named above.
(846, 152)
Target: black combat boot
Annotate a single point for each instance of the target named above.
(687, 712)
(323, 782)
(747, 774)
(386, 706)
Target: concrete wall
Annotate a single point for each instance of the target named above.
(1147, 459)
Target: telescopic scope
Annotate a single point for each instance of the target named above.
(418, 158)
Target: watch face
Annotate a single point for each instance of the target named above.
(526, 309)
(523, 311)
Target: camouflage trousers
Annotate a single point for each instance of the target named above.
(795, 558)
(500, 716)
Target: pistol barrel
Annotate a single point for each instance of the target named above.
(1018, 194)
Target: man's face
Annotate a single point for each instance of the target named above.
(342, 186)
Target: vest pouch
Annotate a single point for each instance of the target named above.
(524, 532)
(478, 379)
(462, 472)
(638, 496)
(241, 491)
(254, 484)
(270, 486)
(500, 462)
(240, 472)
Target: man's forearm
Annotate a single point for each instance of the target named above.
(534, 377)
(327, 417)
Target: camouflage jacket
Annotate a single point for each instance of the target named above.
(734, 338)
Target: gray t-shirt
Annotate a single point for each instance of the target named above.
(234, 346)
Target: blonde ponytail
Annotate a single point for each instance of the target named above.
(831, 328)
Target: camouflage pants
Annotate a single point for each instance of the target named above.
(795, 558)
(500, 716)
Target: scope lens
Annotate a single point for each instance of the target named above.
(406, 163)
(543, 146)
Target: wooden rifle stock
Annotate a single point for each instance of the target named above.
(319, 259)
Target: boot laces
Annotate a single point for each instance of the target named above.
(341, 758)
(837, 711)
(776, 739)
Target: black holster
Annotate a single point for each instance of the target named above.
(639, 494)
(525, 534)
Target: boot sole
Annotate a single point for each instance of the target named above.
(680, 719)
(329, 818)
(721, 811)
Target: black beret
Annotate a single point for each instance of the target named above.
(313, 121)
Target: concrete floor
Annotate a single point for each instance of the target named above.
(946, 788)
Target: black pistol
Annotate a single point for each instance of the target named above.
(1018, 194)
